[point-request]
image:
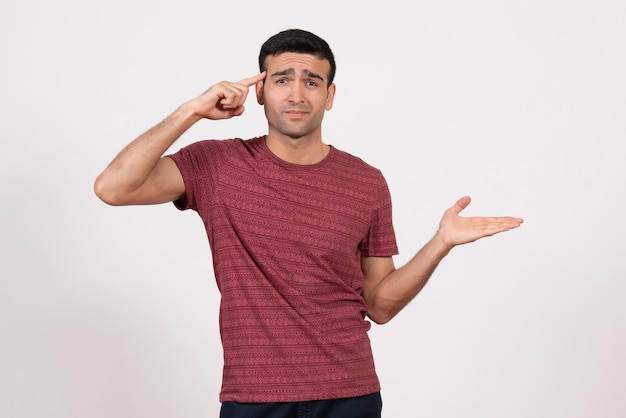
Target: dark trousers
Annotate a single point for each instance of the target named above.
(368, 406)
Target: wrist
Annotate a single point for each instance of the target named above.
(440, 246)
(189, 112)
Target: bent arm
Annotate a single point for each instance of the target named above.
(388, 290)
(139, 175)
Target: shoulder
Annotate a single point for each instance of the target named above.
(211, 144)
(219, 147)
(348, 158)
(350, 163)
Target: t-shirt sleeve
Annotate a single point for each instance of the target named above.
(197, 163)
(381, 239)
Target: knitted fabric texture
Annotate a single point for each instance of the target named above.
(286, 243)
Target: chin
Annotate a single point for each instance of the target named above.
(294, 133)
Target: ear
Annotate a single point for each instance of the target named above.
(330, 96)
(259, 91)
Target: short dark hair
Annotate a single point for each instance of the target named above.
(299, 41)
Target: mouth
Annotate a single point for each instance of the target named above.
(296, 112)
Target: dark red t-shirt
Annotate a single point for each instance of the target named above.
(286, 241)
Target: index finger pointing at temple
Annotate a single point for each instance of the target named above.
(251, 81)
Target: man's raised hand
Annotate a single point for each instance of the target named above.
(456, 230)
(225, 99)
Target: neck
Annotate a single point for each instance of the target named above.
(302, 151)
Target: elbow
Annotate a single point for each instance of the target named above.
(381, 310)
(105, 193)
(379, 321)
(381, 317)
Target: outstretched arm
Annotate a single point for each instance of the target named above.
(139, 174)
(387, 290)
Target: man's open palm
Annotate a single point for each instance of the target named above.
(457, 230)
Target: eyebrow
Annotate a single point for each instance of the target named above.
(291, 71)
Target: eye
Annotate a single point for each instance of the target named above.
(311, 83)
(281, 81)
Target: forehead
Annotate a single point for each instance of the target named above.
(298, 62)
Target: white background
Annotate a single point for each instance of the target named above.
(112, 312)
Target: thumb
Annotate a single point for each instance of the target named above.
(461, 204)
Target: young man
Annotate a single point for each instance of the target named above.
(301, 236)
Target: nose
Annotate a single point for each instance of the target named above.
(296, 93)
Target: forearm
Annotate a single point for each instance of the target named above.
(387, 290)
(134, 164)
(400, 286)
